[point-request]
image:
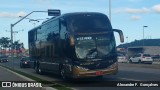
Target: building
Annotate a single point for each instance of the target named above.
(151, 46)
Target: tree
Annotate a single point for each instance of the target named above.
(4, 43)
(17, 45)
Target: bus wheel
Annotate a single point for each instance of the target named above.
(62, 73)
(38, 69)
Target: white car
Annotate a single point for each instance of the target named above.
(121, 58)
(141, 58)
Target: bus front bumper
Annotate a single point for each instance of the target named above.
(81, 73)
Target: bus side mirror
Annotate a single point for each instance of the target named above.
(120, 34)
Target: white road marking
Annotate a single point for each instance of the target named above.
(129, 79)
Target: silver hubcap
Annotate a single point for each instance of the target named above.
(39, 70)
(62, 73)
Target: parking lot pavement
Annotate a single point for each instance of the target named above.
(9, 76)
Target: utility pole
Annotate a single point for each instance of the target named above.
(143, 34)
(12, 25)
(110, 10)
(14, 32)
(51, 12)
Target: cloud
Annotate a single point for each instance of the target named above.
(135, 18)
(132, 10)
(12, 15)
(135, 0)
(156, 8)
(137, 11)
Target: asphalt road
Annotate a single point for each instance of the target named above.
(7, 76)
(127, 72)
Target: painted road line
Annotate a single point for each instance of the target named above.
(128, 79)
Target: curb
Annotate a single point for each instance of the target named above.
(27, 79)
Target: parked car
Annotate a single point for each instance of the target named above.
(25, 62)
(121, 58)
(3, 59)
(141, 58)
(156, 57)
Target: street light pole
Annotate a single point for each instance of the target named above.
(143, 34)
(14, 32)
(127, 39)
(110, 10)
(12, 45)
(12, 25)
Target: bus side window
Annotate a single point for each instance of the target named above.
(63, 29)
(47, 51)
(52, 50)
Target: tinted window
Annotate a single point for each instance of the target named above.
(94, 47)
(26, 58)
(88, 23)
(137, 55)
(49, 31)
(147, 55)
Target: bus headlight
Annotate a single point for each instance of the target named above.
(25, 62)
(81, 68)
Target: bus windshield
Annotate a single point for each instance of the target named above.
(88, 23)
(93, 46)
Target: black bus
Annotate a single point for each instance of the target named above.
(74, 45)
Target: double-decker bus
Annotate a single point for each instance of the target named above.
(75, 45)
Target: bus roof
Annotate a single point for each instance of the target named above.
(69, 15)
(81, 13)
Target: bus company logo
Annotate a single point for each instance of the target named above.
(6, 84)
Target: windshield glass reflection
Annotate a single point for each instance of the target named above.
(93, 47)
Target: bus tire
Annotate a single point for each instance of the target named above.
(62, 73)
(38, 68)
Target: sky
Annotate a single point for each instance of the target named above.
(127, 15)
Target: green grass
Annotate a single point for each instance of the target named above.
(44, 82)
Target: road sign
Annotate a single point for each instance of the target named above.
(54, 12)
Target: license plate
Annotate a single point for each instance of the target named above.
(99, 73)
